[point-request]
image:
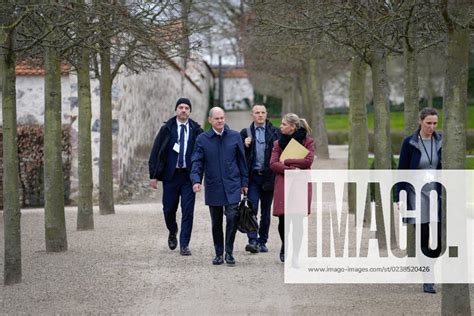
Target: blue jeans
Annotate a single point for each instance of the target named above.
(255, 195)
(232, 215)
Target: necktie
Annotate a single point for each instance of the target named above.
(260, 137)
(181, 146)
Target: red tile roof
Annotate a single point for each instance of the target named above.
(26, 68)
(236, 73)
(232, 72)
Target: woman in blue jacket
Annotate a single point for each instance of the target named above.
(422, 150)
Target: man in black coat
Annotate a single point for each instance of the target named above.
(258, 142)
(170, 162)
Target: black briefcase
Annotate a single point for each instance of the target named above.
(247, 218)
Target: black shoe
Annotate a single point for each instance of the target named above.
(429, 288)
(172, 241)
(184, 251)
(252, 247)
(263, 247)
(229, 259)
(217, 260)
(282, 254)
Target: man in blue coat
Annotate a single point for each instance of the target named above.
(170, 162)
(219, 156)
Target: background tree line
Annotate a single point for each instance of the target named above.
(291, 47)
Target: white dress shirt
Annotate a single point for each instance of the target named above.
(186, 137)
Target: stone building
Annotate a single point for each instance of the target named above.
(238, 91)
(141, 103)
(155, 93)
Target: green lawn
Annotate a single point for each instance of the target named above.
(469, 162)
(335, 122)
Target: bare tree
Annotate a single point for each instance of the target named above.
(30, 31)
(54, 219)
(139, 36)
(411, 99)
(222, 24)
(358, 133)
(455, 297)
(373, 30)
(85, 216)
(306, 45)
(419, 29)
(106, 187)
(11, 203)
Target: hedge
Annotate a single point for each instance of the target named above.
(342, 137)
(30, 158)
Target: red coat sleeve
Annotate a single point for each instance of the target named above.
(275, 164)
(306, 162)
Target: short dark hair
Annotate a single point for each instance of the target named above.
(258, 104)
(427, 112)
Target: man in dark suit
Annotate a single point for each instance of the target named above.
(170, 162)
(219, 156)
(258, 141)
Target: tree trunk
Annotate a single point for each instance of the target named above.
(55, 225)
(106, 187)
(221, 84)
(430, 93)
(85, 218)
(358, 129)
(297, 94)
(317, 111)
(286, 100)
(411, 100)
(185, 10)
(11, 202)
(455, 297)
(411, 109)
(382, 142)
(358, 133)
(306, 109)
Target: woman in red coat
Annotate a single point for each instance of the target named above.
(297, 128)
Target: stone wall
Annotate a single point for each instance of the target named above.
(155, 95)
(30, 100)
(140, 105)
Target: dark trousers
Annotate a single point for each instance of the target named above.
(179, 187)
(297, 222)
(232, 215)
(425, 241)
(255, 195)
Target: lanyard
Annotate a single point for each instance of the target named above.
(430, 158)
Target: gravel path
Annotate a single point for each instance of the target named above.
(125, 267)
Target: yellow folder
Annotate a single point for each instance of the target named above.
(294, 150)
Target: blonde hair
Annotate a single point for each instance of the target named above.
(294, 119)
